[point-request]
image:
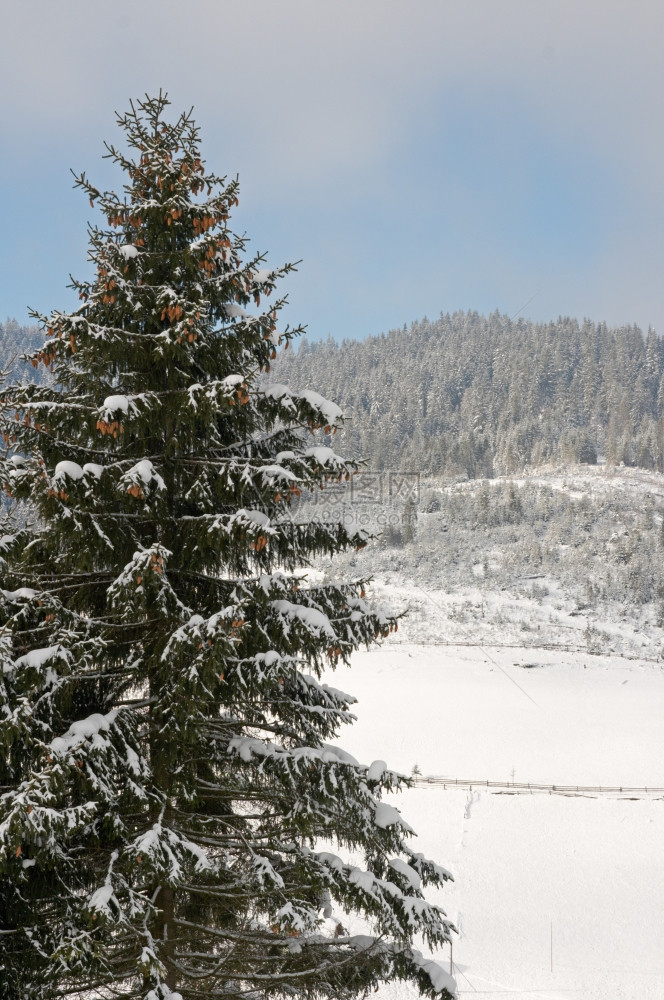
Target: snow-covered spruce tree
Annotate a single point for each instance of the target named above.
(167, 788)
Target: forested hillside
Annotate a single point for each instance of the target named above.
(14, 341)
(482, 396)
(477, 396)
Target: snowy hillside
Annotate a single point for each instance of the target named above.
(512, 679)
(569, 559)
(487, 395)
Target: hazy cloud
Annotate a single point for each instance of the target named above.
(317, 105)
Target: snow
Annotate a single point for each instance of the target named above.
(362, 879)
(331, 411)
(592, 868)
(128, 251)
(165, 993)
(332, 860)
(256, 517)
(588, 867)
(311, 617)
(399, 865)
(246, 747)
(36, 658)
(329, 693)
(376, 770)
(90, 729)
(114, 403)
(277, 390)
(146, 471)
(323, 455)
(24, 593)
(235, 312)
(72, 470)
(440, 980)
(276, 473)
(337, 753)
(167, 848)
(94, 469)
(386, 815)
(362, 942)
(467, 712)
(264, 870)
(100, 899)
(438, 977)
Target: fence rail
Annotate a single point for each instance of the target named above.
(426, 781)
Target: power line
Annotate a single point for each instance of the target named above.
(524, 306)
(457, 969)
(480, 646)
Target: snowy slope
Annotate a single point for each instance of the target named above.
(591, 868)
(469, 713)
(555, 896)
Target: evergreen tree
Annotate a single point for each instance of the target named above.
(166, 780)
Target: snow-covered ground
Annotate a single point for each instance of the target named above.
(533, 651)
(470, 713)
(520, 622)
(555, 896)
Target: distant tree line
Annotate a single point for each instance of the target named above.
(16, 340)
(478, 396)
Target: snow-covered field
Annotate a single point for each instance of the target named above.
(555, 896)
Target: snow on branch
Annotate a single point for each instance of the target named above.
(329, 412)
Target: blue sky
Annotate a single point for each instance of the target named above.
(417, 157)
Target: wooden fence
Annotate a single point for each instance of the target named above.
(428, 781)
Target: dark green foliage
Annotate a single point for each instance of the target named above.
(165, 775)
